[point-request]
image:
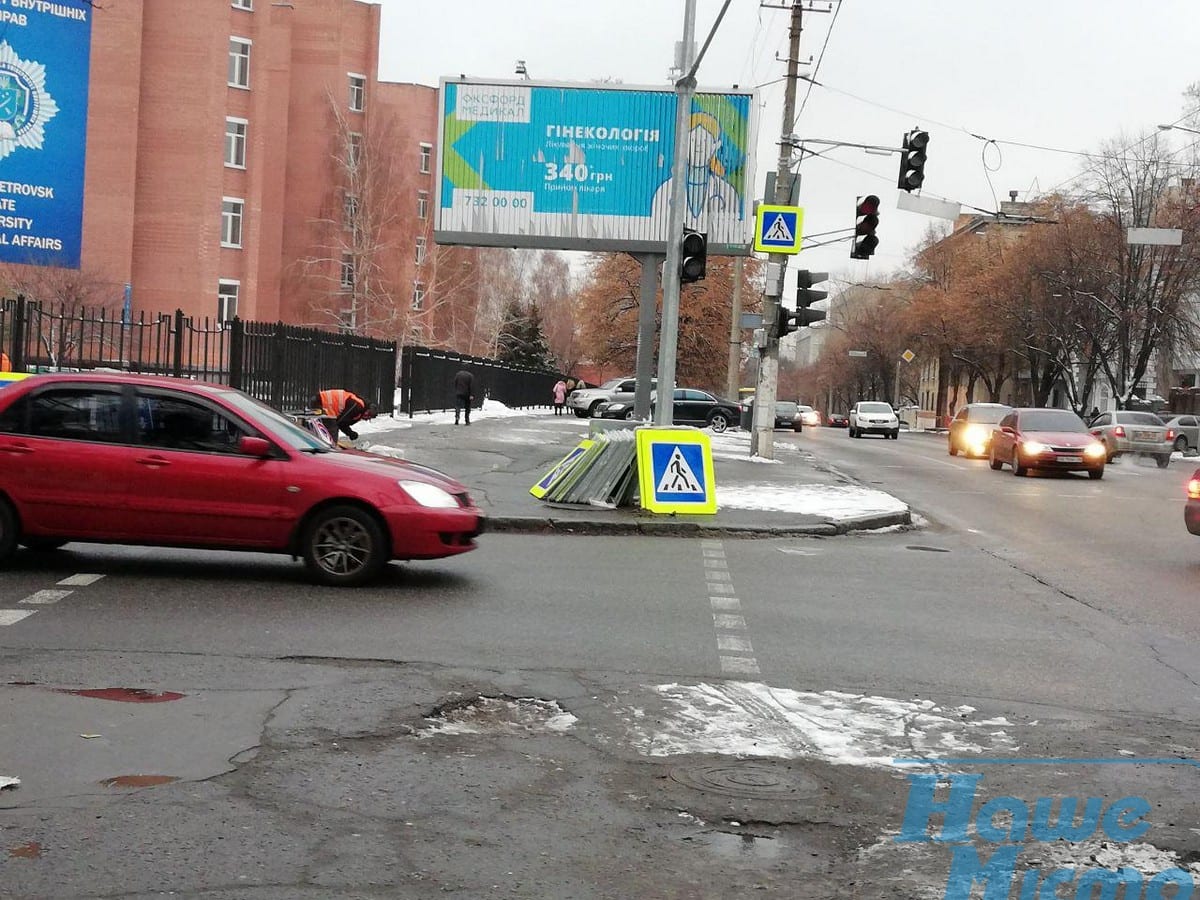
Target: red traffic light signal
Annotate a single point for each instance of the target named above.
(866, 213)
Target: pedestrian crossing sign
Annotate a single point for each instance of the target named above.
(561, 468)
(675, 471)
(777, 229)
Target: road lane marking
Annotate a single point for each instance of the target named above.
(739, 665)
(81, 580)
(734, 642)
(725, 602)
(41, 598)
(13, 616)
(730, 626)
(726, 622)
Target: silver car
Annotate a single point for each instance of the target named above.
(874, 417)
(1183, 431)
(1126, 431)
(585, 401)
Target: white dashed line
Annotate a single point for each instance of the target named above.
(82, 580)
(725, 602)
(726, 622)
(13, 616)
(740, 665)
(732, 642)
(42, 598)
(730, 627)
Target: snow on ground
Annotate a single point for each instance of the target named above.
(754, 719)
(837, 501)
(492, 409)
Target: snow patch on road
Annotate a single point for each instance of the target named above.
(834, 501)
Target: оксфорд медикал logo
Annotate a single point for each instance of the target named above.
(25, 105)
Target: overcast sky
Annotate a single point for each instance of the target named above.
(1068, 75)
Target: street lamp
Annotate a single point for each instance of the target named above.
(1177, 128)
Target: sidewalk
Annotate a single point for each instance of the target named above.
(504, 452)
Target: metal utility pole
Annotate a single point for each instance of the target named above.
(733, 376)
(763, 434)
(668, 341)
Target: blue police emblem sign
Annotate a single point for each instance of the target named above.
(45, 50)
(675, 471)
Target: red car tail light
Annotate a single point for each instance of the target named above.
(1170, 434)
(1193, 489)
(1119, 431)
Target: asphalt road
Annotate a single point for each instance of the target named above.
(599, 717)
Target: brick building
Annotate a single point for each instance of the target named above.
(242, 156)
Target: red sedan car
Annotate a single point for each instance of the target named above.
(1034, 438)
(129, 459)
(1191, 510)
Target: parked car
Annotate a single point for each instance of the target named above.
(1034, 438)
(1191, 510)
(837, 420)
(1127, 431)
(691, 407)
(1183, 431)
(809, 416)
(585, 401)
(130, 459)
(972, 426)
(874, 417)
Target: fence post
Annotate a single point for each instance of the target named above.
(278, 374)
(177, 351)
(237, 332)
(17, 356)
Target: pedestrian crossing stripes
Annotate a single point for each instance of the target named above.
(46, 597)
(41, 598)
(13, 616)
(728, 622)
(81, 580)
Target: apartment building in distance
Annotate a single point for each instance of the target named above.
(243, 158)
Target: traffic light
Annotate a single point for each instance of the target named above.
(866, 221)
(693, 252)
(912, 160)
(787, 321)
(806, 297)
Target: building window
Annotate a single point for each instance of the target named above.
(426, 158)
(239, 62)
(354, 149)
(235, 143)
(418, 295)
(349, 211)
(347, 271)
(227, 300)
(243, 4)
(422, 204)
(358, 92)
(232, 209)
(420, 250)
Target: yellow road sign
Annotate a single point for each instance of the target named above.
(777, 229)
(675, 471)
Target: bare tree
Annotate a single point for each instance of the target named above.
(72, 302)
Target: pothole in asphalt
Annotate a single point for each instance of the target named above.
(749, 780)
(926, 549)
(497, 715)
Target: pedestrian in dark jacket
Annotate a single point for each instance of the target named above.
(464, 393)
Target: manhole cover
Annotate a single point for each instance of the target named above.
(927, 549)
(756, 781)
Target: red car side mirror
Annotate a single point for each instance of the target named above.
(254, 446)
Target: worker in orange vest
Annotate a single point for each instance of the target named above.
(5, 363)
(344, 406)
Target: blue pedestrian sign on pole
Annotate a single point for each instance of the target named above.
(675, 471)
(777, 229)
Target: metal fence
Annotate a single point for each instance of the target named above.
(283, 365)
(427, 381)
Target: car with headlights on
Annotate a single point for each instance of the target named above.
(837, 420)
(1191, 510)
(153, 461)
(1129, 431)
(809, 416)
(971, 428)
(691, 407)
(874, 417)
(1031, 438)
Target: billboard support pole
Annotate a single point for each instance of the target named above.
(647, 310)
(668, 342)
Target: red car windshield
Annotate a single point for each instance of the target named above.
(1051, 420)
(281, 427)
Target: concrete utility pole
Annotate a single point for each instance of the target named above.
(763, 434)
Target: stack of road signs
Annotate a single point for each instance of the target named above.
(599, 471)
(675, 471)
(669, 469)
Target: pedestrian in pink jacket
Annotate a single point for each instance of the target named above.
(560, 396)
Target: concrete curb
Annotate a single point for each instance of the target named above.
(675, 528)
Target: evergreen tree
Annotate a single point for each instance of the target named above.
(522, 341)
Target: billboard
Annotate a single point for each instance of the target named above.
(588, 167)
(44, 54)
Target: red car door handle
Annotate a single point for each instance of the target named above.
(152, 461)
(17, 448)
